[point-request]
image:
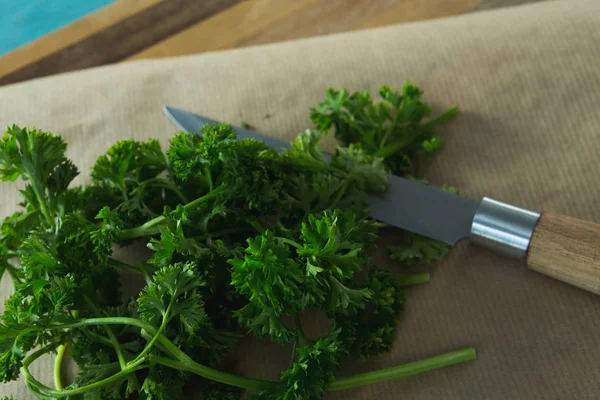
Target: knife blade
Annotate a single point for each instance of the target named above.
(406, 204)
(561, 247)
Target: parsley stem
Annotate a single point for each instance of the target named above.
(184, 362)
(299, 332)
(293, 357)
(413, 279)
(124, 266)
(111, 335)
(106, 341)
(160, 330)
(389, 131)
(398, 145)
(46, 391)
(58, 363)
(400, 371)
(209, 179)
(340, 194)
(441, 119)
(152, 227)
(257, 226)
(158, 182)
(410, 137)
(42, 202)
(290, 242)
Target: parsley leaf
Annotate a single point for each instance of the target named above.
(393, 128)
(418, 249)
(245, 239)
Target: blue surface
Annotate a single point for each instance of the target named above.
(25, 20)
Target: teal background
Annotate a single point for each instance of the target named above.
(22, 21)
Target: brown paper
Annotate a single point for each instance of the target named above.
(528, 84)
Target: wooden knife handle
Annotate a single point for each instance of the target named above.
(567, 249)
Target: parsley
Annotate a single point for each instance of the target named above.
(244, 240)
(399, 130)
(393, 128)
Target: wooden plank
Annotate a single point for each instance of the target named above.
(227, 29)
(418, 10)
(325, 17)
(114, 42)
(138, 29)
(265, 21)
(72, 33)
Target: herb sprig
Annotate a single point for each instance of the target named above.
(245, 239)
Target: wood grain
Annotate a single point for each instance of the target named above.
(72, 33)
(227, 29)
(116, 41)
(418, 10)
(567, 249)
(258, 22)
(138, 29)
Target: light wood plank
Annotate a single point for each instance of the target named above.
(255, 22)
(325, 17)
(72, 33)
(418, 10)
(227, 29)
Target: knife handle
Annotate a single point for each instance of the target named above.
(567, 249)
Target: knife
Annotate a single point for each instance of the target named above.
(558, 246)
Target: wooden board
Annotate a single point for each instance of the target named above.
(109, 35)
(139, 29)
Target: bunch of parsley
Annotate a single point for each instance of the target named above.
(244, 240)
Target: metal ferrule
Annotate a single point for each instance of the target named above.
(504, 228)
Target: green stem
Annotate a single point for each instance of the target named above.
(289, 242)
(443, 118)
(110, 333)
(257, 226)
(389, 131)
(124, 266)
(145, 274)
(58, 363)
(340, 194)
(293, 357)
(159, 332)
(46, 391)
(300, 333)
(184, 362)
(401, 371)
(395, 147)
(152, 227)
(158, 182)
(105, 321)
(414, 279)
(407, 140)
(209, 178)
(106, 341)
(43, 206)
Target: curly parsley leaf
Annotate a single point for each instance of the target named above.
(245, 239)
(394, 128)
(417, 249)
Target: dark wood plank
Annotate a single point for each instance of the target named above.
(122, 39)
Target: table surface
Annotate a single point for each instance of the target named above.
(137, 29)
